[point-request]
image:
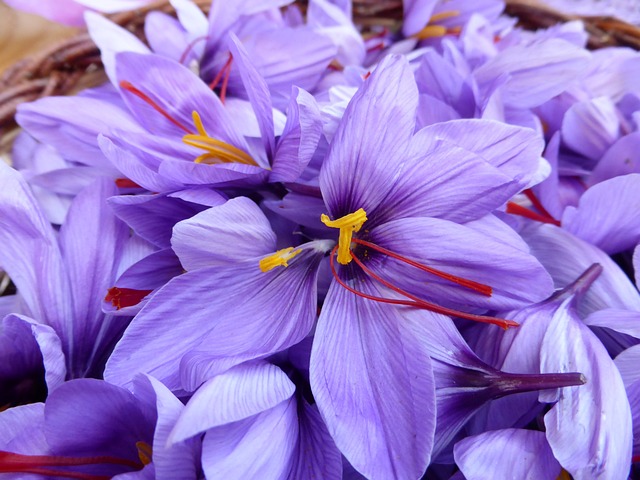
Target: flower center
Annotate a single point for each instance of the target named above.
(348, 225)
(278, 259)
(433, 31)
(352, 223)
(217, 151)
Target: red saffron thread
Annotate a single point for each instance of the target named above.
(193, 43)
(516, 209)
(470, 284)
(414, 301)
(125, 297)
(226, 71)
(138, 93)
(126, 183)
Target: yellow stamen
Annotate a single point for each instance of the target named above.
(144, 452)
(434, 31)
(217, 150)
(443, 16)
(431, 31)
(348, 224)
(278, 259)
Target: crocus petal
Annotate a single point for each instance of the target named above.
(416, 15)
(21, 429)
(621, 159)
(30, 253)
(608, 214)
(515, 276)
(622, 321)
(100, 413)
(237, 394)
(178, 92)
(207, 239)
(91, 240)
(317, 455)
(375, 129)
(72, 124)
(225, 306)
(268, 439)
(170, 460)
(567, 257)
(627, 363)
(299, 139)
(373, 385)
(47, 341)
(153, 216)
(510, 453)
(66, 12)
(591, 127)
(166, 36)
(558, 61)
(257, 91)
(112, 39)
(589, 429)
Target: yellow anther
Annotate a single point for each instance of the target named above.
(144, 452)
(278, 259)
(348, 224)
(217, 151)
(434, 31)
(444, 15)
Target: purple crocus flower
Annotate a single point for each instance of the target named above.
(61, 278)
(90, 429)
(403, 201)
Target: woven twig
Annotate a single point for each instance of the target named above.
(74, 62)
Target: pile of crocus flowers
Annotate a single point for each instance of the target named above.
(274, 245)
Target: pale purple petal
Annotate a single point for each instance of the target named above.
(372, 382)
(621, 159)
(237, 394)
(622, 321)
(223, 235)
(21, 429)
(511, 453)
(589, 429)
(268, 439)
(375, 129)
(608, 214)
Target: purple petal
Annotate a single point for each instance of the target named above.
(567, 257)
(112, 39)
(220, 309)
(589, 429)
(372, 382)
(316, 455)
(91, 241)
(417, 14)
(555, 60)
(621, 159)
(234, 231)
(591, 127)
(268, 439)
(258, 93)
(237, 394)
(170, 461)
(515, 276)
(165, 35)
(299, 139)
(153, 216)
(608, 214)
(30, 253)
(622, 321)
(21, 429)
(375, 128)
(511, 453)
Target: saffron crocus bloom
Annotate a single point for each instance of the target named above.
(61, 278)
(400, 201)
(90, 429)
(239, 300)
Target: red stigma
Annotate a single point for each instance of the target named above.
(414, 301)
(223, 74)
(140, 94)
(46, 465)
(125, 297)
(544, 216)
(126, 183)
(193, 43)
